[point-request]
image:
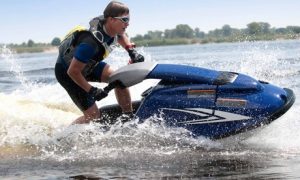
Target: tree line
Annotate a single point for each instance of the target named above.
(31, 46)
(184, 34)
(30, 43)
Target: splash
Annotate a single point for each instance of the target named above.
(10, 57)
(150, 138)
(25, 120)
(119, 57)
(267, 62)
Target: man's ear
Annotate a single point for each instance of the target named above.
(110, 19)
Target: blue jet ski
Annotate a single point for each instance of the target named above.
(209, 103)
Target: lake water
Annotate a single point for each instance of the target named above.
(36, 141)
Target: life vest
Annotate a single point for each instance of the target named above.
(70, 42)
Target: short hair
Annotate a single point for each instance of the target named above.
(115, 9)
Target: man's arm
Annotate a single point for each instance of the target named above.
(130, 48)
(75, 74)
(124, 41)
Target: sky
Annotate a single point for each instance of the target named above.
(42, 20)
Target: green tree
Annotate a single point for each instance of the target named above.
(184, 31)
(198, 33)
(216, 33)
(155, 34)
(169, 33)
(281, 31)
(227, 30)
(138, 38)
(30, 43)
(253, 28)
(265, 27)
(294, 29)
(56, 41)
(147, 36)
(258, 28)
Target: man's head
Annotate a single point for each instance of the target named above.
(115, 9)
(116, 16)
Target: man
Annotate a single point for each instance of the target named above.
(80, 61)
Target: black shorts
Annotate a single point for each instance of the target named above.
(79, 96)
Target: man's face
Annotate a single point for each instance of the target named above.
(120, 23)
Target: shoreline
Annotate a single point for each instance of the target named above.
(54, 49)
(51, 50)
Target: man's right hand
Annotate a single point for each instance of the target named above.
(97, 93)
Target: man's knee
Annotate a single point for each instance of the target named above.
(107, 71)
(92, 113)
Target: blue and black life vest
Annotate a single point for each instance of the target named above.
(105, 44)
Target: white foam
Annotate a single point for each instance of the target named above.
(23, 117)
(280, 135)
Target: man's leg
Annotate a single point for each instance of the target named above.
(124, 99)
(90, 114)
(78, 95)
(122, 94)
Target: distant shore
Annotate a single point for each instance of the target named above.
(35, 49)
(182, 41)
(51, 50)
(150, 43)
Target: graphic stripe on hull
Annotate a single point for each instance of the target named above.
(206, 116)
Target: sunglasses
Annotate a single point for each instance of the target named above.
(124, 19)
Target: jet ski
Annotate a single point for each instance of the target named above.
(209, 103)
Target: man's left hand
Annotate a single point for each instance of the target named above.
(135, 56)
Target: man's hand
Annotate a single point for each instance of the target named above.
(97, 93)
(135, 56)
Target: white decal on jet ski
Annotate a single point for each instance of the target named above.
(206, 116)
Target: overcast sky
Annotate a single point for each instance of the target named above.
(42, 20)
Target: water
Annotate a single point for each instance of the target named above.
(36, 141)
